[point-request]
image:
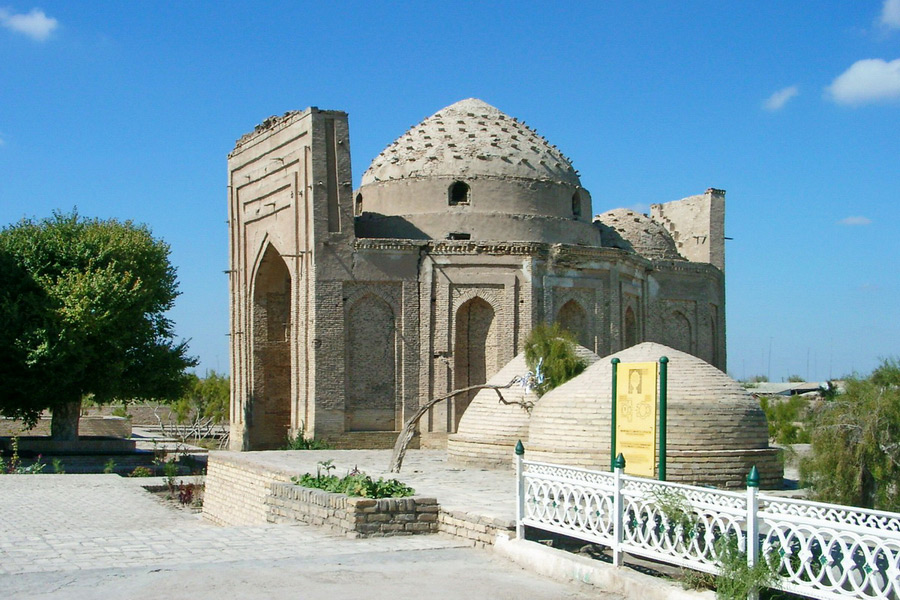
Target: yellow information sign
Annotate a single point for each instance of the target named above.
(636, 417)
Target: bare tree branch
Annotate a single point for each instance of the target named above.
(409, 428)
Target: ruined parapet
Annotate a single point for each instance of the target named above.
(697, 224)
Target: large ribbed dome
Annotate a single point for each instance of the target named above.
(629, 230)
(489, 429)
(716, 430)
(470, 138)
(470, 172)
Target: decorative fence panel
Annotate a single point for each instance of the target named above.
(818, 550)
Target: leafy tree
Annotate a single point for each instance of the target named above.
(88, 300)
(855, 443)
(554, 348)
(204, 398)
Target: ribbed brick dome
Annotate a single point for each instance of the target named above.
(716, 430)
(489, 430)
(471, 138)
(629, 230)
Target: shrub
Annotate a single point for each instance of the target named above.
(141, 472)
(300, 442)
(355, 483)
(553, 348)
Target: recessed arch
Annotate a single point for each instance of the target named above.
(358, 205)
(574, 319)
(371, 333)
(678, 332)
(475, 351)
(270, 409)
(630, 328)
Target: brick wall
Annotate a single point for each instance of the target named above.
(362, 517)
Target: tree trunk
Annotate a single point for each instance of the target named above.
(64, 421)
(867, 488)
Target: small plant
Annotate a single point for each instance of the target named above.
(121, 411)
(141, 472)
(110, 467)
(300, 441)
(186, 494)
(15, 466)
(58, 467)
(737, 579)
(355, 483)
(697, 580)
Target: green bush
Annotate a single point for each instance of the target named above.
(786, 418)
(300, 442)
(553, 348)
(355, 483)
(736, 579)
(854, 450)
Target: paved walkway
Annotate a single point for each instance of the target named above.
(89, 536)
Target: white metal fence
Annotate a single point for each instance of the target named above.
(818, 550)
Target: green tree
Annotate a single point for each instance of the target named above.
(90, 318)
(204, 398)
(855, 443)
(554, 348)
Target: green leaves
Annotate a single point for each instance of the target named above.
(855, 443)
(89, 297)
(554, 348)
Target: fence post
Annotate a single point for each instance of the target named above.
(520, 491)
(618, 510)
(752, 542)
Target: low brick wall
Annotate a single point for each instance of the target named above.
(481, 531)
(359, 517)
(236, 490)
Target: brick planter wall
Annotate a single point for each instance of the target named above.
(362, 517)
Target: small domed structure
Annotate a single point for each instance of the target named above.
(489, 429)
(716, 430)
(471, 172)
(636, 232)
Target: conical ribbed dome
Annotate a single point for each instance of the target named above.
(471, 138)
(489, 430)
(716, 430)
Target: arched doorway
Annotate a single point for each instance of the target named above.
(270, 401)
(371, 403)
(475, 352)
(631, 328)
(574, 319)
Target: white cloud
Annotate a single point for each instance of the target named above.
(36, 25)
(777, 100)
(853, 221)
(868, 80)
(890, 14)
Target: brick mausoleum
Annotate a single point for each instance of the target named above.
(349, 308)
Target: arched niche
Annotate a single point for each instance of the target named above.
(475, 351)
(270, 410)
(574, 319)
(371, 401)
(678, 332)
(630, 328)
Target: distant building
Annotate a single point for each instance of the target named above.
(348, 308)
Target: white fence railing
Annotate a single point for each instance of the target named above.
(818, 550)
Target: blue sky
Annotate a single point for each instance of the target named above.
(128, 109)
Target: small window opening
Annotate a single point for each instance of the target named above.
(576, 204)
(358, 207)
(459, 236)
(459, 193)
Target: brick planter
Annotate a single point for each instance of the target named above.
(358, 517)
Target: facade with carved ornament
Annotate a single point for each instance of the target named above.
(349, 308)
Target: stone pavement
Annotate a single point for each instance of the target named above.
(89, 536)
